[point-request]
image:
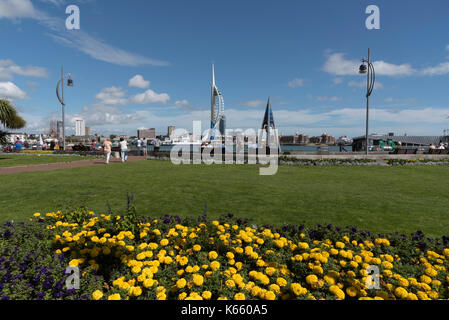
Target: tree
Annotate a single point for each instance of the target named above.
(9, 119)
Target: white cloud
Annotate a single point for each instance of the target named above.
(442, 68)
(13, 9)
(336, 64)
(9, 90)
(57, 3)
(295, 83)
(387, 69)
(253, 103)
(326, 98)
(149, 96)
(180, 103)
(8, 69)
(111, 96)
(139, 82)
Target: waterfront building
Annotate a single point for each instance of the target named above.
(80, 128)
(149, 134)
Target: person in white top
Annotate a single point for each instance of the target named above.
(123, 149)
(145, 147)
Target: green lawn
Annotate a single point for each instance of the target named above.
(14, 160)
(374, 198)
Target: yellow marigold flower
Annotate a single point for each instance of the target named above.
(141, 256)
(97, 295)
(270, 271)
(412, 296)
(230, 255)
(339, 245)
(351, 291)
(181, 283)
(298, 289)
(206, 295)
(136, 291)
(425, 279)
(161, 296)
(164, 242)
(198, 279)
(275, 288)
(196, 247)
(317, 270)
(270, 295)
(37, 214)
(311, 279)
(148, 283)
(239, 296)
(401, 293)
(136, 269)
(337, 291)
(213, 255)
(281, 282)
(230, 283)
(403, 282)
(431, 272)
(115, 296)
(329, 280)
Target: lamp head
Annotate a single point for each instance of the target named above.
(363, 69)
(69, 83)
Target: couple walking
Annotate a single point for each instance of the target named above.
(107, 148)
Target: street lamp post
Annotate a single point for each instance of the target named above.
(371, 79)
(61, 100)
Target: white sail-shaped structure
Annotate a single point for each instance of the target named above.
(218, 118)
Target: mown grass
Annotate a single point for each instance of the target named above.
(374, 198)
(12, 160)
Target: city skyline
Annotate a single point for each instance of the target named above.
(305, 57)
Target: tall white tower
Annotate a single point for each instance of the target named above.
(217, 116)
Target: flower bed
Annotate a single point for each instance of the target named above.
(420, 161)
(131, 257)
(285, 160)
(37, 152)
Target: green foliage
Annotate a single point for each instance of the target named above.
(9, 117)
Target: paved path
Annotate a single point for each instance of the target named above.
(63, 165)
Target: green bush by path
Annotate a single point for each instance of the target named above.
(378, 199)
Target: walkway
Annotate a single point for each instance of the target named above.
(63, 165)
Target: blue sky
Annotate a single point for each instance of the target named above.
(144, 63)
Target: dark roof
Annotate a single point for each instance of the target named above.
(421, 140)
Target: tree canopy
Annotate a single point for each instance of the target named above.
(9, 117)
